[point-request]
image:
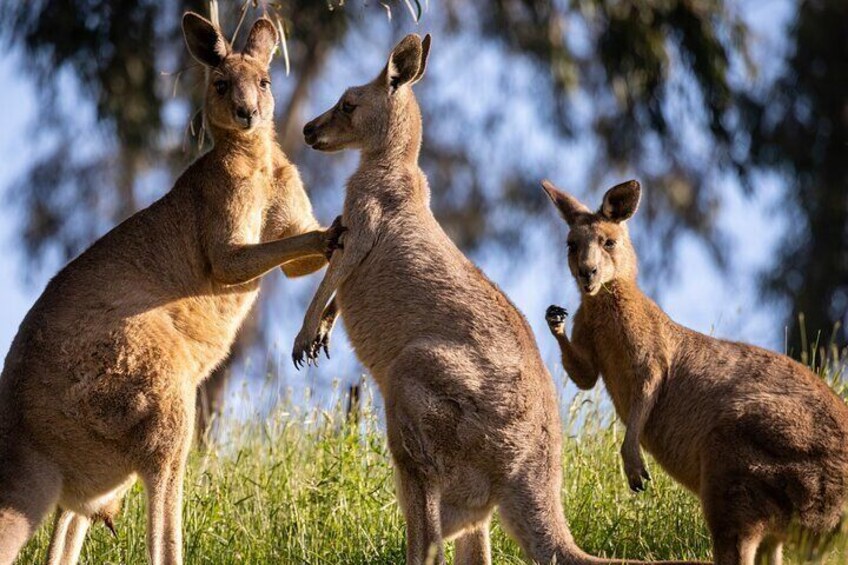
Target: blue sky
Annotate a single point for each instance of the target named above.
(16, 98)
(724, 304)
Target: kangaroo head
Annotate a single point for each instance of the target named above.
(238, 92)
(380, 114)
(599, 247)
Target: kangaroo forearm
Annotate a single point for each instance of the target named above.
(580, 370)
(342, 264)
(331, 312)
(244, 263)
(301, 267)
(322, 297)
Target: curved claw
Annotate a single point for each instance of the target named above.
(637, 484)
(297, 358)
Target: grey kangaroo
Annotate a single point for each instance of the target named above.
(758, 437)
(99, 384)
(471, 410)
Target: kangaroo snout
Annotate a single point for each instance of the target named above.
(310, 133)
(587, 278)
(587, 273)
(246, 116)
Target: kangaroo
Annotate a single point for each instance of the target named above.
(99, 384)
(757, 436)
(471, 410)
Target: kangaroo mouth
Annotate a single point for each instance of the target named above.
(247, 124)
(590, 288)
(319, 145)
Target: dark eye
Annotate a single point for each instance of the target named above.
(571, 246)
(264, 84)
(609, 244)
(221, 86)
(347, 107)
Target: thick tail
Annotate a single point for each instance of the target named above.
(29, 488)
(534, 517)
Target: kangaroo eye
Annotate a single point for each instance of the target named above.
(348, 108)
(264, 84)
(571, 246)
(221, 86)
(609, 244)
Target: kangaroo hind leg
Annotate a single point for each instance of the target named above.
(473, 546)
(69, 530)
(419, 501)
(29, 487)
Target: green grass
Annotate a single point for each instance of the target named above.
(309, 488)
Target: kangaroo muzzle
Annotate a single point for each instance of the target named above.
(310, 133)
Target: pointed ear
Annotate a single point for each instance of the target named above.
(204, 41)
(262, 40)
(404, 62)
(425, 52)
(569, 207)
(621, 201)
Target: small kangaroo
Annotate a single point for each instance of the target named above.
(99, 384)
(471, 410)
(758, 437)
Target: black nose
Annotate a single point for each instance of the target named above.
(587, 273)
(309, 130)
(245, 113)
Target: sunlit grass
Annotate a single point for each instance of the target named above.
(312, 488)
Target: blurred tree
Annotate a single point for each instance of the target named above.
(643, 71)
(799, 128)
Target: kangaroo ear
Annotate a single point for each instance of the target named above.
(569, 207)
(405, 62)
(425, 52)
(621, 201)
(204, 41)
(262, 40)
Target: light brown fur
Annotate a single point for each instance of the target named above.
(99, 384)
(471, 410)
(758, 437)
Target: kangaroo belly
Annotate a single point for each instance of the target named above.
(204, 328)
(97, 399)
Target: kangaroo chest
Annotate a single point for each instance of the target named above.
(404, 287)
(208, 321)
(618, 351)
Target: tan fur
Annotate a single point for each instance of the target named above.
(471, 410)
(758, 437)
(99, 384)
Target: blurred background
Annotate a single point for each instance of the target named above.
(732, 114)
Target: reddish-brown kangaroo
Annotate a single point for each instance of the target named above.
(471, 410)
(758, 437)
(99, 385)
